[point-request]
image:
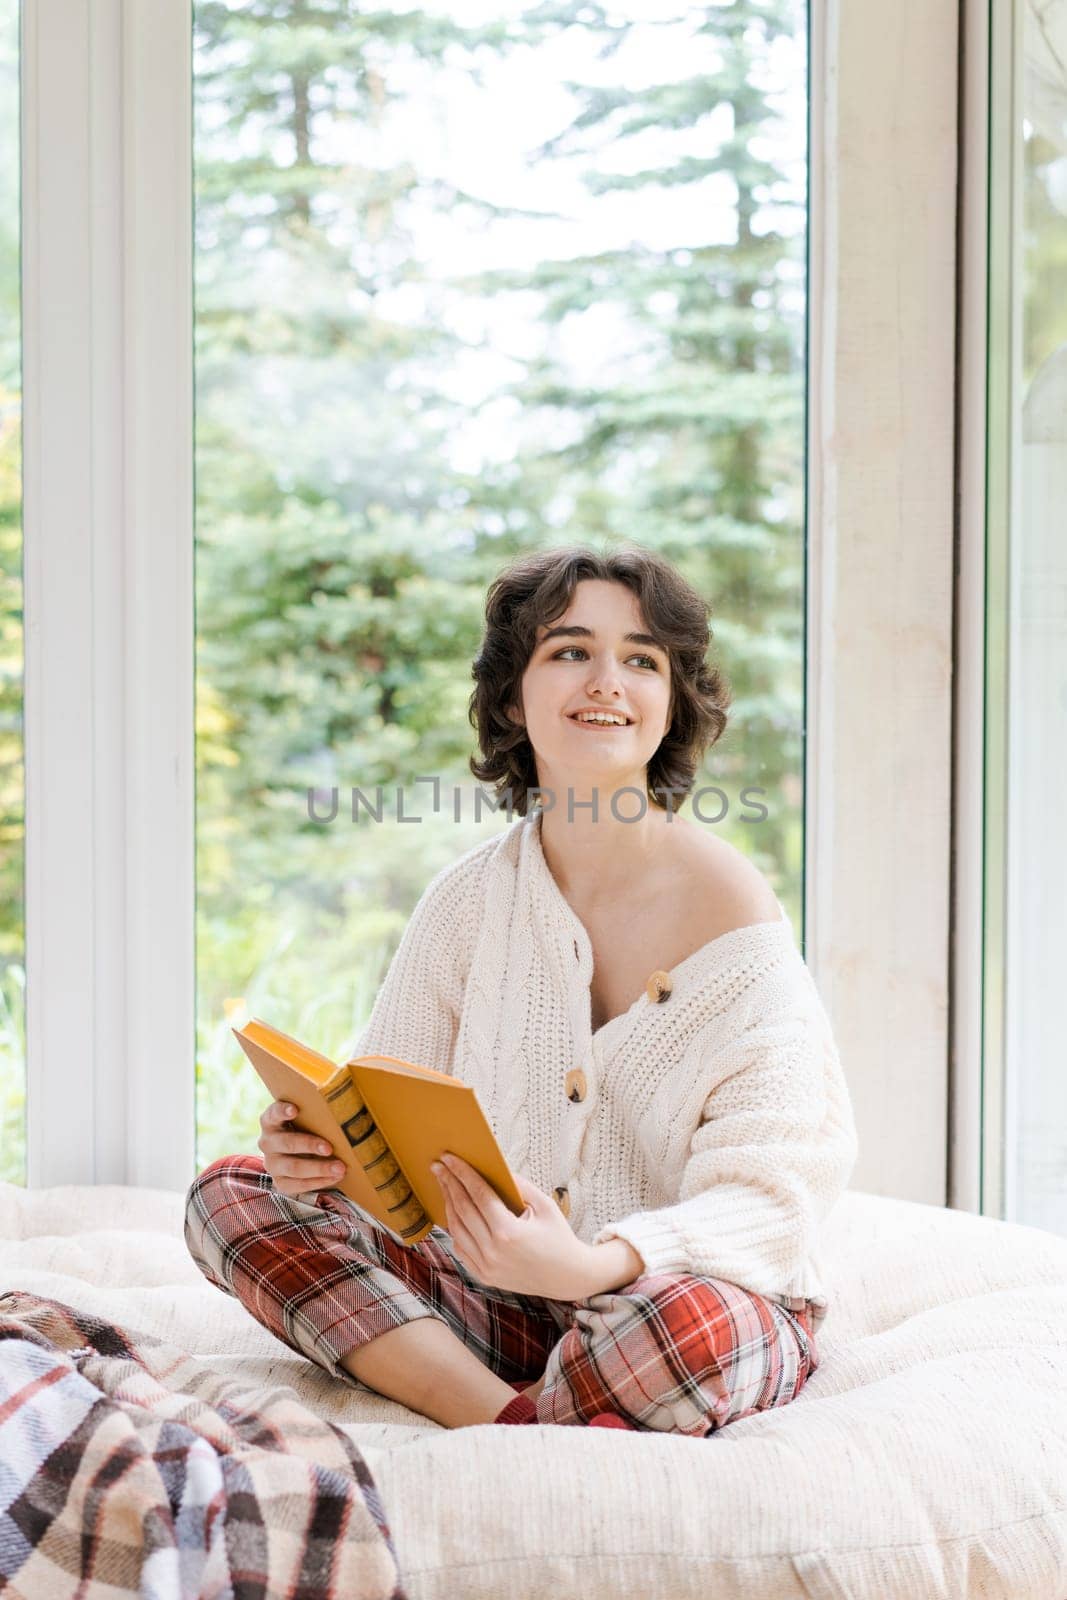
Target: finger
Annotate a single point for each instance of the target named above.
(277, 1113)
(279, 1144)
(482, 1195)
(465, 1210)
(536, 1199)
(301, 1169)
(304, 1176)
(308, 1144)
(295, 1144)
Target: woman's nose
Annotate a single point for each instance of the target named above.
(603, 675)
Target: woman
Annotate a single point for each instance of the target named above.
(624, 992)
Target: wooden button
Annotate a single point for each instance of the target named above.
(563, 1200)
(576, 1085)
(658, 987)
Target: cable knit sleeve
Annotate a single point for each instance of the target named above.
(775, 1146)
(416, 1012)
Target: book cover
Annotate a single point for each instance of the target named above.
(387, 1120)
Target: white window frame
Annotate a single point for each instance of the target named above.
(976, 1121)
(108, 500)
(108, 569)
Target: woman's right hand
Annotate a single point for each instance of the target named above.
(296, 1162)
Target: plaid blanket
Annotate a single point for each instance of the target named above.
(125, 1469)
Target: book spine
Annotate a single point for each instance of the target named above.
(406, 1215)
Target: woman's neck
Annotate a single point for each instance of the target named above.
(597, 862)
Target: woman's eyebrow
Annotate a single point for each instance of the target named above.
(590, 633)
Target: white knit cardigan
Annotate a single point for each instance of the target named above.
(717, 1129)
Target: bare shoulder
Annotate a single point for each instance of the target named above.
(725, 889)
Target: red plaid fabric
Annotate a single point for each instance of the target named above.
(670, 1352)
(131, 1471)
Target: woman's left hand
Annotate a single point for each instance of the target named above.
(536, 1253)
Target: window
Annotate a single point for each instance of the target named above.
(1026, 750)
(468, 282)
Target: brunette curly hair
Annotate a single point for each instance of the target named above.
(536, 589)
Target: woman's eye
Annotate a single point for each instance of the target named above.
(571, 648)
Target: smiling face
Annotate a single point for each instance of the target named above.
(600, 667)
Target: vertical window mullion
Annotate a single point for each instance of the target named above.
(107, 367)
(66, 483)
(159, 707)
(965, 1088)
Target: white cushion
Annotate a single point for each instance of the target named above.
(926, 1457)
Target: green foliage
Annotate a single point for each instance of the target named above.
(1045, 257)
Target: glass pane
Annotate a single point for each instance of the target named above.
(1035, 1103)
(470, 280)
(12, 915)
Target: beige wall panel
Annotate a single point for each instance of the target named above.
(881, 530)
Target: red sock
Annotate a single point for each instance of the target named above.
(521, 1409)
(611, 1419)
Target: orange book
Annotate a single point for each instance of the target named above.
(387, 1120)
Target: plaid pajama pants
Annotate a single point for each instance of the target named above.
(670, 1352)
